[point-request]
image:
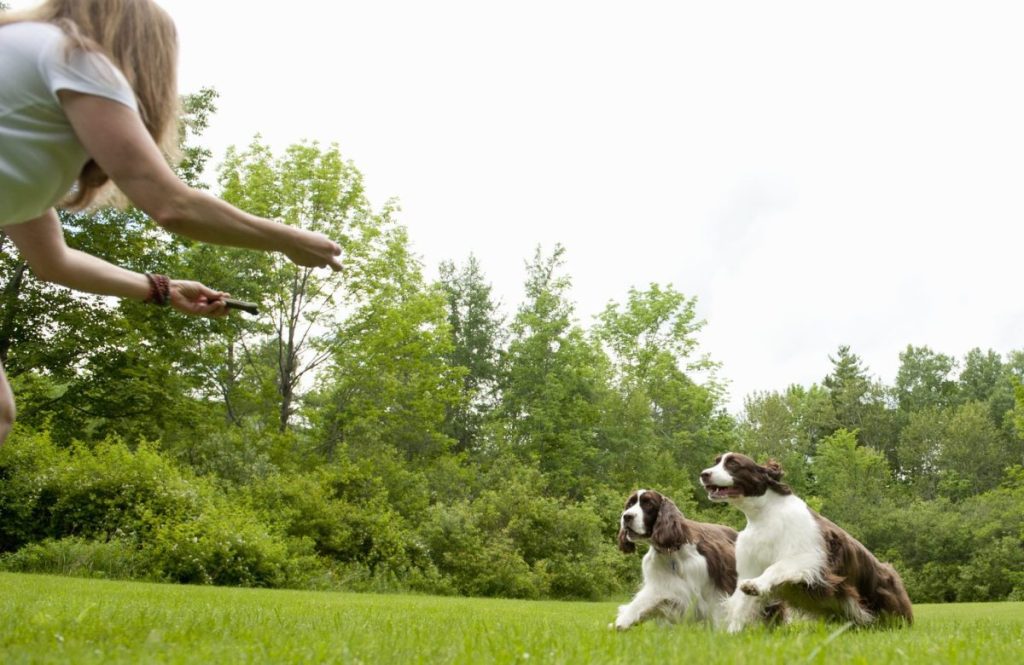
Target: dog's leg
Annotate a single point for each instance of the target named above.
(855, 611)
(740, 610)
(642, 607)
(787, 571)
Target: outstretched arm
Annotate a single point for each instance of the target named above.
(115, 137)
(41, 243)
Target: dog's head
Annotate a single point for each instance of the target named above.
(735, 476)
(651, 516)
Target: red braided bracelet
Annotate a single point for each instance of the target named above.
(159, 290)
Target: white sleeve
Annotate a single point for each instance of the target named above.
(89, 73)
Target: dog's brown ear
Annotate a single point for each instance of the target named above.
(669, 531)
(625, 544)
(773, 471)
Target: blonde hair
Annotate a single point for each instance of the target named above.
(139, 37)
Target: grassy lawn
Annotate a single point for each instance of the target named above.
(54, 619)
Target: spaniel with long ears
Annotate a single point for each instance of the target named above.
(689, 570)
(789, 552)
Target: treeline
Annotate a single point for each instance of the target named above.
(379, 429)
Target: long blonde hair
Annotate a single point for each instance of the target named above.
(140, 38)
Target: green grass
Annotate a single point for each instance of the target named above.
(55, 619)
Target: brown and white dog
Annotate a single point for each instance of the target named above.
(689, 570)
(789, 552)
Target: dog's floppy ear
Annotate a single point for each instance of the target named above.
(773, 472)
(669, 531)
(625, 544)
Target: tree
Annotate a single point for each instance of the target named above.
(553, 381)
(315, 189)
(476, 329)
(789, 428)
(1018, 411)
(389, 385)
(920, 445)
(974, 454)
(852, 481)
(924, 380)
(980, 375)
(848, 387)
(859, 403)
(663, 421)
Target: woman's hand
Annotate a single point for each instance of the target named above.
(195, 299)
(313, 250)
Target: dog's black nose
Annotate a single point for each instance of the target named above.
(705, 476)
(627, 518)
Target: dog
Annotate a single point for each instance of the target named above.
(689, 570)
(789, 552)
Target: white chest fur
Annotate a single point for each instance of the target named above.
(778, 528)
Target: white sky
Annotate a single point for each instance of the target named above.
(816, 173)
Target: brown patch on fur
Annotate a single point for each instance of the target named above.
(717, 544)
(625, 544)
(855, 573)
(670, 530)
(753, 478)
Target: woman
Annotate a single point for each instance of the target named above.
(88, 95)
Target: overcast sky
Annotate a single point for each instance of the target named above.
(815, 173)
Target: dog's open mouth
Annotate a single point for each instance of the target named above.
(719, 493)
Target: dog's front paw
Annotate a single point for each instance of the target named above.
(621, 624)
(750, 588)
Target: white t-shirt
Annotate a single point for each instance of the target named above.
(40, 156)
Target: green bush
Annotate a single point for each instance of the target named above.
(343, 523)
(114, 559)
(224, 545)
(110, 490)
(475, 562)
(29, 467)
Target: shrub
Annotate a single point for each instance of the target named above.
(224, 545)
(111, 490)
(114, 559)
(29, 466)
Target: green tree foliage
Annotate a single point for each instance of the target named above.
(924, 380)
(308, 187)
(859, 403)
(661, 425)
(476, 329)
(788, 427)
(553, 381)
(852, 481)
(390, 384)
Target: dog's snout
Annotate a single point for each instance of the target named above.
(627, 518)
(705, 476)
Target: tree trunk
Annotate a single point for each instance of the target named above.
(10, 297)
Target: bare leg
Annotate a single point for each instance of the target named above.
(7, 411)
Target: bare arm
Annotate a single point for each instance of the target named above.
(115, 137)
(41, 243)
